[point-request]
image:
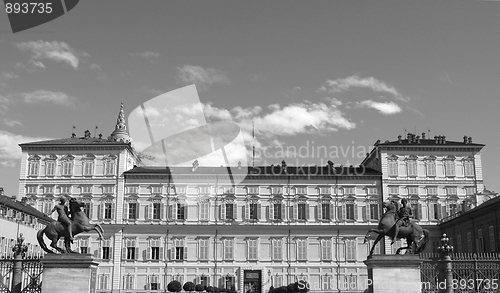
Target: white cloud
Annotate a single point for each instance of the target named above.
(43, 96)
(190, 74)
(344, 84)
(10, 152)
(8, 75)
(150, 56)
(11, 123)
(56, 51)
(386, 108)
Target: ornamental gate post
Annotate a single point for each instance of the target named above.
(444, 251)
(19, 250)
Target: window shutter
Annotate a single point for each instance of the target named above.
(439, 212)
(99, 211)
(355, 207)
(443, 212)
(91, 208)
(344, 212)
(340, 215)
(186, 209)
(295, 211)
(113, 210)
(235, 211)
(270, 212)
(222, 210)
(365, 212)
(283, 211)
(419, 211)
(185, 253)
(124, 253)
(111, 253)
(174, 211)
(172, 253)
(332, 215)
(148, 252)
(246, 214)
(259, 211)
(161, 211)
(169, 212)
(136, 253)
(146, 212)
(319, 211)
(161, 253)
(307, 211)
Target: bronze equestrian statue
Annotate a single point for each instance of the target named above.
(416, 237)
(78, 222)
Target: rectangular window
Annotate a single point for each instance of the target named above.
(277, 211)
(131, 251)
(252, 249)
(277, 249)
(436, 208)
(67, 168)
(132, 210)
(470, 190)
(87, 208)
(301, 190)
(228, 249)
(109, 168)
(86, 189)
(65, 189)
(469, 169)
(132, 189)
(108, 189)
(128, 284)
(48, 189)
(203, 251)
(181, 211)
(204, 208)
(412, 168)
(88, 168)
(350, 253)
(103, 282)
(449, 167)
(253, 189)
(432, 190)
(180, 253)
(301, 211)
(430, 168)
(33, 168)
(480, 241)
(253, 209)
(31, 189)
(326, 249)
(393, 190)
(50, 168)
(349, 191)
(349, 211)
(156, 189)
(326, 282)
(275, 190)
(230, 211)
(155, 245)
(374, 211)
(393, 167)
(469, 242)
(412, 190)
(491, 231)
(153, 283)
(372, 190)
(325, 211)
(451, 190)
(204, 189)
(156, 211)
(459, 243)
(106, 249)
(108, 208)
(301, 249)
(325, 190)
(84, 245)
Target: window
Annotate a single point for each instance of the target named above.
(277, 211)
(31, 189)
(50, 168)
(155, 250)
(326, 249)
(480, 241)
(65, 189)
(153, 282)
(203, 281)
(204, 208)
(33, 168)
(227, 190)
(469, 168)
(253, 209)
(470, 190)
(412, 168)
(372, 190)
(181, 211)
(230, 209)
(203, 249)
(435, 211)
(325, 190)
(253, 248)
(432, 190)
(179, 250)
(253, 189)
(451, 190)
(108, 211)
(325, 211)
(132, 189)
(204, 189)
(349, 211)
(349, 191)
(106, 249)
(156, 211)
(180, 189)
(277, 247)
(469, 242)
(275, 190)
(128, 283)
(393, 167)
(48, 189)
(374, 211)
(130, 251)
(103, 282)
(277, 280)
(108, 189)
(228, 247)
(87, 209)
(449, 168)
(301, 190)
(156, 189)
(491, 231)
(133, 209)
(86, 189)
(394, 190)
(228, 282)
(326, 282)
(430, 168)
(67, 168)
(302, 211)
(84, 245)
(301, 249)
(109, 167)
(88, 168)
(412, 190)
(350, 253)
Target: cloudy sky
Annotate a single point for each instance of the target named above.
(310, 74)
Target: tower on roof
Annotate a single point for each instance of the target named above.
(120, 133)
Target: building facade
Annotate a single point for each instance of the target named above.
(278, 225)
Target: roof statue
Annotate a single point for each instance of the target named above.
(120, 133)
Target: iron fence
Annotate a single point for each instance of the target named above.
(31, 277)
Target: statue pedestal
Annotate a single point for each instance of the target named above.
(394, 273)
(69, 272)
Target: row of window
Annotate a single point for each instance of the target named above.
(66, 165)
(68, 189)
(430, 190)
(6, 246)
(411, 164)
(17, 215)
(480, 241)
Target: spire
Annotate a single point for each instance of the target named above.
(120, 133)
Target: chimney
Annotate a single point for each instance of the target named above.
(239, 165)
(423, 135)
(465, 139)
(100, 135)
(24, 200)
(1, 191)
(195, 165)
(283, 166)
(418, 139)
(436, 140)
(470, 139)
(444, 139)
(73, 135)
(408, 137)
(399, 138)
(87, 134)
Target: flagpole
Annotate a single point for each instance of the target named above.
(253, 145)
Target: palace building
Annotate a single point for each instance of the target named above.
(278, 225)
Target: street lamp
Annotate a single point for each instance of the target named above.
(445, 249)
(270, 277)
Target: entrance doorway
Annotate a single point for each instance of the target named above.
(252, 280)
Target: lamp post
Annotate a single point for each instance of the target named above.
(270, 277)
(19, 251)
(445, 251)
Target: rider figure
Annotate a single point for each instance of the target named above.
(63, 216)
(404, 214)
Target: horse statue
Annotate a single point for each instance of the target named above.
(55, 230)
(416, 237)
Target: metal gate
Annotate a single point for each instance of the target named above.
(31, 277)
(472, 272)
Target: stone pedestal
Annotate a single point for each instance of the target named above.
(394, 273)
(69, 272)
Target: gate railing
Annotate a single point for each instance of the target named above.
(31, 275)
